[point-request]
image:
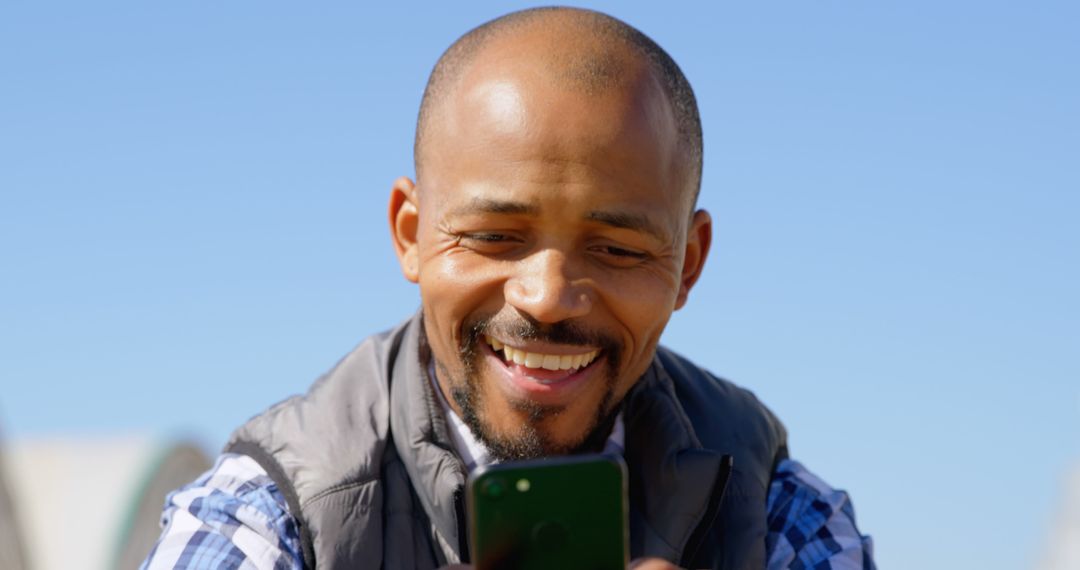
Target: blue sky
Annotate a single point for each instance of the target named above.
(192, 202)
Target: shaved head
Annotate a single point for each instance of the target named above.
(576, 50)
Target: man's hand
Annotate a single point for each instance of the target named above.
(651, 564)
(639, 564)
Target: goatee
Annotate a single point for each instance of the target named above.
(530, 440)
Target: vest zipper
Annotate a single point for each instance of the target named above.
(716, 498)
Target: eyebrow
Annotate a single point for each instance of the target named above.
(628, 221)
(490, 206)
(622, 220)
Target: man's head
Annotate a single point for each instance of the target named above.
(551, 227)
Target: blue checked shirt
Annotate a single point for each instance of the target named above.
(234, 516)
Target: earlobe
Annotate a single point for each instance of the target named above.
(404, 221)
(698, 241)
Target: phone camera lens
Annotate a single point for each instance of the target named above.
(494, 488)
(549, 535)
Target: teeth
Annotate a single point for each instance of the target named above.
(546, 361)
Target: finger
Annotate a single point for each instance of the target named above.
(651, 564)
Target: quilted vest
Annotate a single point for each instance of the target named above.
(365, 463)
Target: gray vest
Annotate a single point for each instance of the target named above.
(365, 463)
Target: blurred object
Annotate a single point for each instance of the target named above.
(94, 503)
(12, 551)
(1063, 548)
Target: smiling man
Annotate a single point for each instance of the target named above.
(552, 230)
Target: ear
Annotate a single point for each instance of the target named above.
(404, 221)
(698, 240)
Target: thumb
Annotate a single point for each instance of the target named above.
(651, 564)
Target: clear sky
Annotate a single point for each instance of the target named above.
(192, 227)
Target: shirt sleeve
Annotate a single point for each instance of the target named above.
(812, 525)
(232, 516)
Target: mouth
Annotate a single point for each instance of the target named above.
(542, 375)
(540, 361)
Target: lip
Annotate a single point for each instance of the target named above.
(558, 388)
(545, 348)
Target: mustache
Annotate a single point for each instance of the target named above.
(528, 329)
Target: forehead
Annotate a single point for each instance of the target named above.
(513, 117)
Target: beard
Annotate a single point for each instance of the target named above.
(529, 440)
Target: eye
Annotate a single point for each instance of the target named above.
(619, 256)
(622, 252)
(484, 237)
(488, 243)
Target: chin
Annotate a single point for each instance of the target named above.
(531, 431)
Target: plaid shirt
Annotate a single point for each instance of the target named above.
(234, 516)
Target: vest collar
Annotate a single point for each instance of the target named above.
(675, 484)
(423, 443)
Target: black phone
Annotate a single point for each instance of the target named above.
(559, 512)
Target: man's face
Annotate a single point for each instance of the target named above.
(552, 237)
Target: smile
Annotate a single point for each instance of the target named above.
(536, 360)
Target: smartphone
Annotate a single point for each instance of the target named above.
(559, 512)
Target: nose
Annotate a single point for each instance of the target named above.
(542, 288)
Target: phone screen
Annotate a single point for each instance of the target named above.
(560, 512)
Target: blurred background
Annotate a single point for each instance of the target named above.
(192, 227)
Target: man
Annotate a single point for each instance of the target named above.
(552, 231)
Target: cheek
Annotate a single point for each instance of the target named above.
(452, 292)
(642, 307)
(455, 282)
(642, 303)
